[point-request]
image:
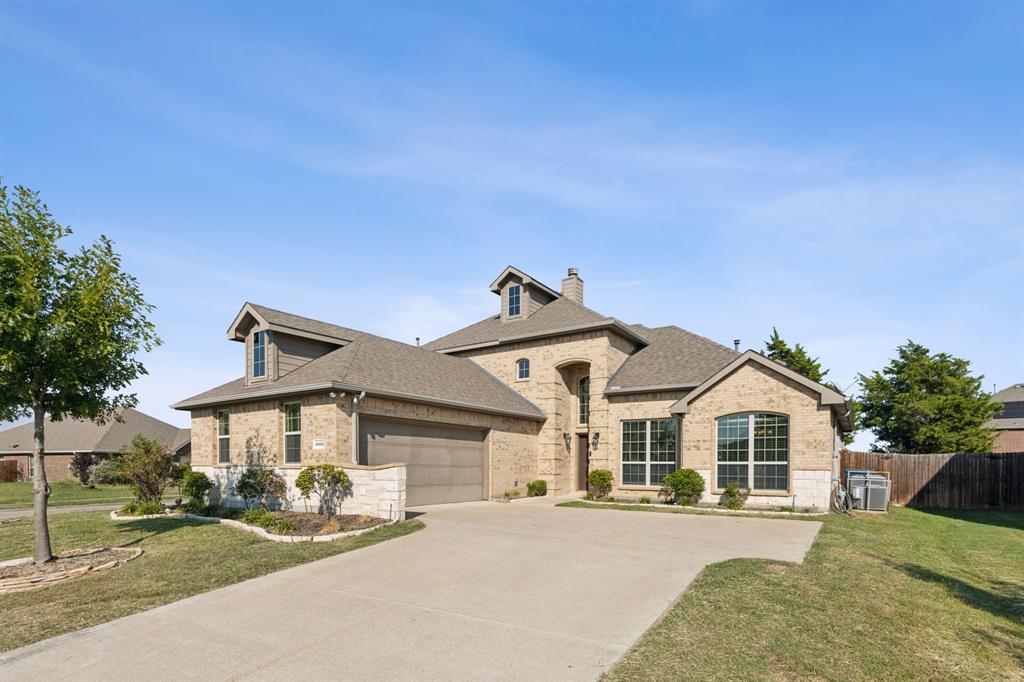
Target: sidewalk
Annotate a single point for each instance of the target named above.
(66, 509)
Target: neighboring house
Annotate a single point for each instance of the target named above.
(65, 438)
(545, 389)
(1009, 425)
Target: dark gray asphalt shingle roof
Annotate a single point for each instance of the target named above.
(1012, 416)
(283, 319)
(674, 356)
(373, 363)
(85, 436)
(559, 314)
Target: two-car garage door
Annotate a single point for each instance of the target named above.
(443, 463)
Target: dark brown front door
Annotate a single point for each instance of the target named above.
(582, 461)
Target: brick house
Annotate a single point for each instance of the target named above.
(1009, 424)
(544, 389)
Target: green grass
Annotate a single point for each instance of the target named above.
(66, 492)
(182, 557)
(909, 595)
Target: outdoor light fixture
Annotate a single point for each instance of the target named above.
(594, 440)
(568, 438)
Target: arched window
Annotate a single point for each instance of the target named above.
(523, 368)
(752, 450)
(584, 396)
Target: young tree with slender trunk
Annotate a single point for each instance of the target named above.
(71, 326)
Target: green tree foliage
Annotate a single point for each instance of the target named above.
(923, 402)
(260, 486)
(195, 485)
(71, 328)
(328, 482)
(81, 466)
(149, 467)
(794, 357)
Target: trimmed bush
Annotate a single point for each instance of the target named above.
(734, 497)
(259, 517)
(644, 500)
(513, 494)
(538, 488)
(600, 481)
(683, 486)
(148, 465)
(330, 484)
(142, 508)
(195, 485)
(259, 486)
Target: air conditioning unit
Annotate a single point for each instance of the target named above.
(869, 490)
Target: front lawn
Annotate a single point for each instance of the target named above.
(910, 595)
(65, 492)
(182, 557)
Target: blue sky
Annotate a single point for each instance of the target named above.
(848, 172)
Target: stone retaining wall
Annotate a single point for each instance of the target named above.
(377, 491)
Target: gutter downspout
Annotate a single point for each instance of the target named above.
(355, 425)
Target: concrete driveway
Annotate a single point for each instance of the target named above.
(521, 591)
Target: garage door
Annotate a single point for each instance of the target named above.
(443, 463)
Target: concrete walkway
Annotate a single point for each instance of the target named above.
(22, 512)
(487, 591)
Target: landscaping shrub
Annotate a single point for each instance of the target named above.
(513, 493)
(538, 488)
(129, 508)
(260, 486)
(81, 465)
(644, 500)
(147, 464)
(193, 506)
(147, 508)
(283, 527)
(683, 486)
(330, 483)
(600, 481)
(195, 485)
(733, 496)
(109, 472)
(259, 517)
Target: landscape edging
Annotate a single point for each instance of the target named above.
(256, 529)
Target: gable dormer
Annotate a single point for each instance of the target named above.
(521, 295)
(277, 343)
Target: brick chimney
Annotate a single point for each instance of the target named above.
(572, 286)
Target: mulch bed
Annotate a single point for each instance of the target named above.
(316, 524)
(23, 574)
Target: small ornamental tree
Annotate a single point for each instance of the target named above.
(81, 466)
(71, 328)
(924, 402)
(683, 486)
(328, 482)
(600, 481)
(258, 486)
(149, 466)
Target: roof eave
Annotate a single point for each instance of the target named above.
(606, 323)
(653, 388)
(351, 388)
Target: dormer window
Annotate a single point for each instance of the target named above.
(259, 354)
(523, 368)
(514, 293)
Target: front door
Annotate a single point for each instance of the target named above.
(582, 461)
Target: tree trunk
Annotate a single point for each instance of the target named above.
(40, 492)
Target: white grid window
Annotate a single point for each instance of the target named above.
(514, 293)
(292, 433)
(584, 400)
(523, 368)
(223, 437)
(753, 451)
(259, 354)
(648, 451)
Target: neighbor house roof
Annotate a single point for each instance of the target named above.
(560, 316)
(73, 435)
(674, 358)
(381, 367)
(826, 394)
(1012, 416)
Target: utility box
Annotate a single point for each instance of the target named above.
(869, 490)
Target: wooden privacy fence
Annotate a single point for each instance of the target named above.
(957, 481)
(8, 471)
